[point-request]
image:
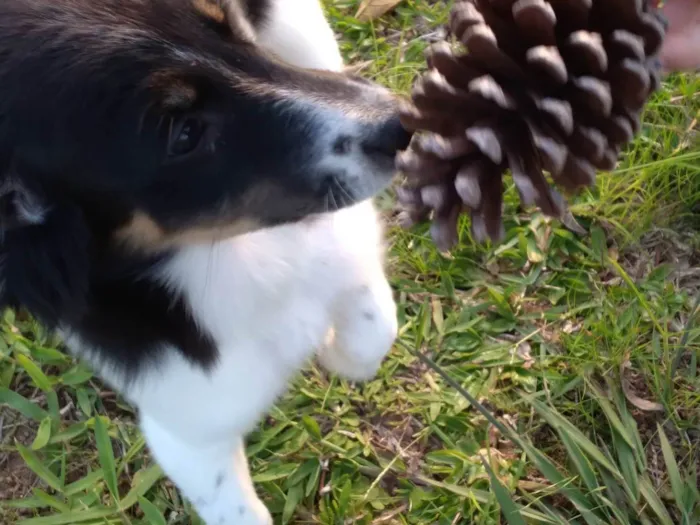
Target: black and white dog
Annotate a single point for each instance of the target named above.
(185, 195)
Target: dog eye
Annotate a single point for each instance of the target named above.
(185, 136)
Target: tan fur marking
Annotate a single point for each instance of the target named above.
(211, 9)
(238, 21)
(143, 233)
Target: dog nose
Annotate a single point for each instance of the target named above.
(387, 138)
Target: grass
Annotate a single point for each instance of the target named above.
(550, 379)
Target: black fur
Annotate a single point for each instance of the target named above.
(257, 11)
(133, 319)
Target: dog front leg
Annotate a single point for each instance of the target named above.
(213, 476)
(364, 330)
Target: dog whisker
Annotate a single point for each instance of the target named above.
(142, 119)
(347, 198)
(335, 202)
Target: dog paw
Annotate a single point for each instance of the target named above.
(231, 511)
(364, 332)
(244, 515)
(336, 361)
(253, 516)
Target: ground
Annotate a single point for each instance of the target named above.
(579, 354)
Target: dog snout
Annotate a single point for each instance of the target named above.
(387, 138)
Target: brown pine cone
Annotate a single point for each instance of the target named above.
(555, 85)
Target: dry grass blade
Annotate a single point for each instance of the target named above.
(373, 9)
(641, 403)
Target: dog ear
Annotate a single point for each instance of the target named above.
(45, 259)
(231, 17)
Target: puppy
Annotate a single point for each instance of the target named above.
(185, 195)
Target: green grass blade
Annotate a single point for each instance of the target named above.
(655, 502)
(628, 466)
(152, 513)
(77, 375)
(682, 347)
(674, 475)
(30, 503)
(565, 487)
(52, 405)
(553, 516)
(583, 466)
(69, 433)
(22, 405)
(463, 492)
(629, 423)
(41, 470)
(508, 507)
(620, 503)
(106, 455)
(143, 480)
(311, 426)
(51, 501)
(559, 422)
(279, 471)
(85, 483)
(294, 496)
(134, 450)
(84, 401)
(640, 297)
(611, 415)
(34, 372)
(70, 518)
(43, 434)
(622, 482)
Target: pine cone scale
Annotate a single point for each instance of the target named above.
(536, 20)
(585, 54)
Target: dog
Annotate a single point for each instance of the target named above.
(186, 197)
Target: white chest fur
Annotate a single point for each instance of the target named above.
(269, 300)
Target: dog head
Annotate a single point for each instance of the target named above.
(153, 124)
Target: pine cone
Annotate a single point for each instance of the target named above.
(556, 85)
